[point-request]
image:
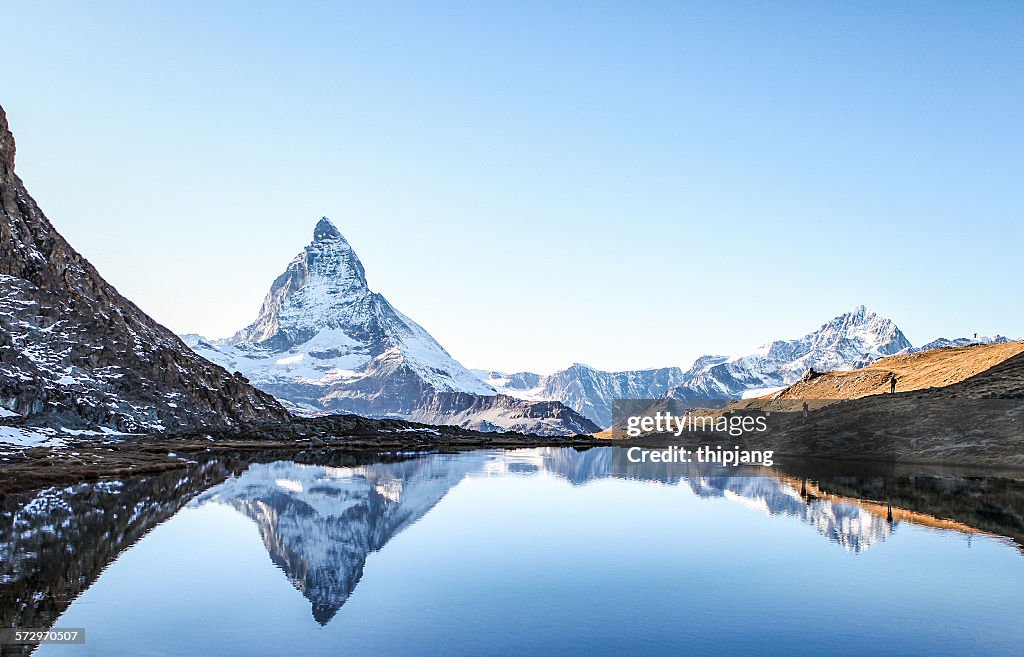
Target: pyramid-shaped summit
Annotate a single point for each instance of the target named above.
(324, 342)
(325, 230)
(323, 287)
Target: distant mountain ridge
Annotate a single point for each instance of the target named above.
(587, 390)
(850, 340)
(941, 343)
(325, 342)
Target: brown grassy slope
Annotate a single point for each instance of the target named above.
(935, 368)
(963, 404)
(979, 420)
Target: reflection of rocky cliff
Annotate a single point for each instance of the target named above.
(55, 542)
(321, 523)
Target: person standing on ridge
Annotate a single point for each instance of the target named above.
(892, 383)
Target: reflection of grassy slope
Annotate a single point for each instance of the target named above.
(53, 554)
(941, 501)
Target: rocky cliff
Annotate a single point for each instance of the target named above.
(75, 353)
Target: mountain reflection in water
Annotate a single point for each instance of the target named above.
(320, 522)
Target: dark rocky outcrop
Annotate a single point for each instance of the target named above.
(75, 353)
(501, 412)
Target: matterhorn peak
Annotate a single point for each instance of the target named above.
(331, 258)
(327, 343)
(325, 230)
(317, 290)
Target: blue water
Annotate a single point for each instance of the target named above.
(543, 552)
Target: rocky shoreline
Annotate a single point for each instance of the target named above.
(91, 458)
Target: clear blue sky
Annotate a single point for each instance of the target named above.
(622, 184)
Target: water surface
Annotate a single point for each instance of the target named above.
(542, 551)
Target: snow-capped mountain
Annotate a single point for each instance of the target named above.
(940, 343)
(525, 385)
(587, 390)
(319, 524)
(325, 342)
(850, 340)
(76, 354)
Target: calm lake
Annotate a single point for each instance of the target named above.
(539, 551)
